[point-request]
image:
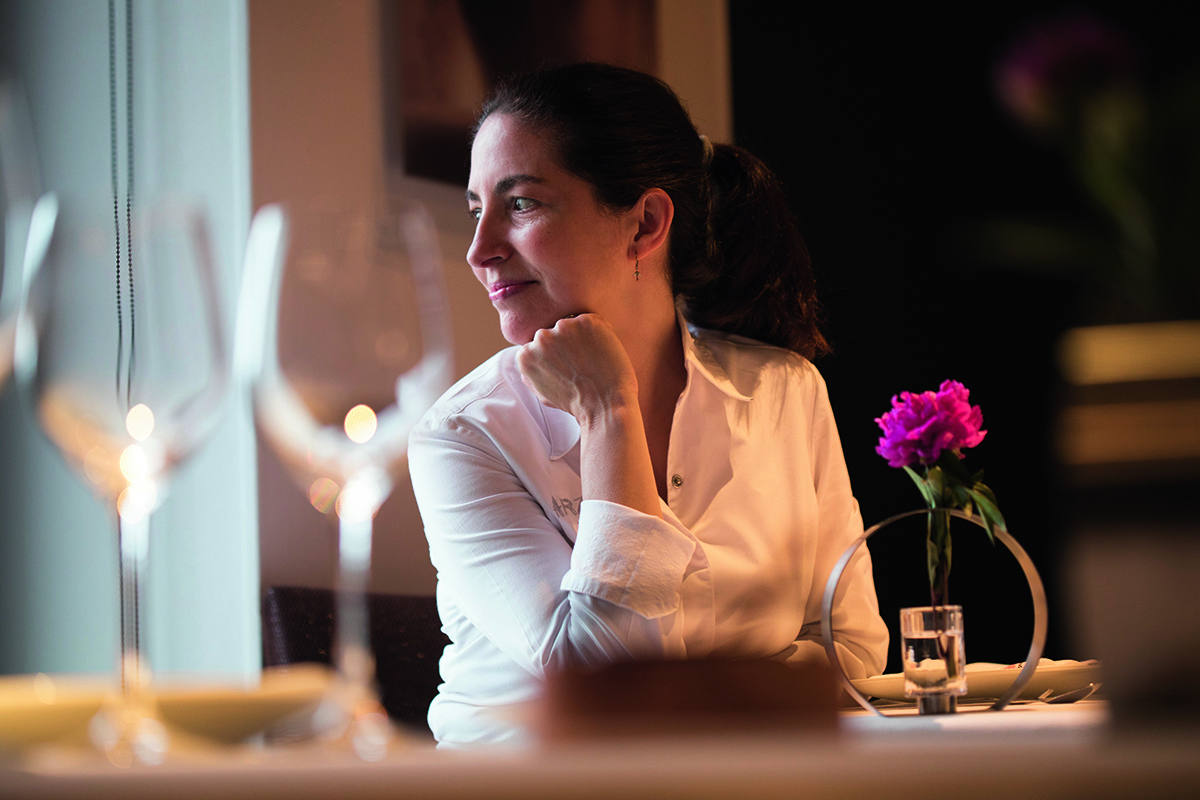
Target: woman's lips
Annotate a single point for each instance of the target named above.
(504, 289)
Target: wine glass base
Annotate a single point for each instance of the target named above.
(128, 734)
(357, 724)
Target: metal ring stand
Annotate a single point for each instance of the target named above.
(1036, 589)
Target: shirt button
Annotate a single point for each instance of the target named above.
(676, 481)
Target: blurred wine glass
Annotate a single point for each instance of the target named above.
(344, 323)
(21, 188)
(125, 369)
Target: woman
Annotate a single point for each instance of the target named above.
(622, 483)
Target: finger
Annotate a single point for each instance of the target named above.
(532, 359)
(528, 355)
(534, 374)
(574, 316)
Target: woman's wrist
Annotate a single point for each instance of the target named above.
(615, 460)
(611, 415)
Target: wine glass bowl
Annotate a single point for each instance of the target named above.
(343, 324)
(126, 382)
(20, 188)
(122, 359)
(350, 355)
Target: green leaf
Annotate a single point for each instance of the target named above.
(937, 487)
(926, 490)
(986, 492)
(962, 497)
(992, 517)
(953, 467)
(933, 558)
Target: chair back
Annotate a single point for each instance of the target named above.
(406, 636)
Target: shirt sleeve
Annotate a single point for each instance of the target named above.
(546, 605)
(859, 633)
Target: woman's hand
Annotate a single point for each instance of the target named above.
(581, 367)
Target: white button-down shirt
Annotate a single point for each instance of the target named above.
(533, 577)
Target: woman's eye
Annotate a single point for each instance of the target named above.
(522, 204)
(475, 213)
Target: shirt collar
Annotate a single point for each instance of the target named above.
(699, 358)
(563, 431)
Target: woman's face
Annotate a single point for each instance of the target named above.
(544, 248)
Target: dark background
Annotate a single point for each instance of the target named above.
(884, 126)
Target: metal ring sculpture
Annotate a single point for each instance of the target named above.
(1036, 589)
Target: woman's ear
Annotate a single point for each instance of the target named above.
(653, 215)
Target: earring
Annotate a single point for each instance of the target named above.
(636, 273)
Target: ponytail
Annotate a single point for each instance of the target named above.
(763, 286)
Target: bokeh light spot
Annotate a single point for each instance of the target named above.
(140, 422)
(360, 424)
(322, 494)
(133, 463)
(136, 502)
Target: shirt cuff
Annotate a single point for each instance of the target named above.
(628, 558)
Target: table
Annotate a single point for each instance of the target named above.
(1026, 751)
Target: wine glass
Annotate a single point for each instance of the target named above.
(21, 189)
(344, 325)
(123, 361)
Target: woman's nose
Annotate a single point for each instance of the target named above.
(489, 242)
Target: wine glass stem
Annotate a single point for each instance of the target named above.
(353, 641)
(133, 536)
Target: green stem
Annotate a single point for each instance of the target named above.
(937, 547)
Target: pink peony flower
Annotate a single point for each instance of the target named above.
(920, 427)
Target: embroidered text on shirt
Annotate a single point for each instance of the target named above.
(565, 505)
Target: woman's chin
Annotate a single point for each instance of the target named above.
(520, 328)
(516, 331)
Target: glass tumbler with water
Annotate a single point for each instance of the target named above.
(934, 656)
